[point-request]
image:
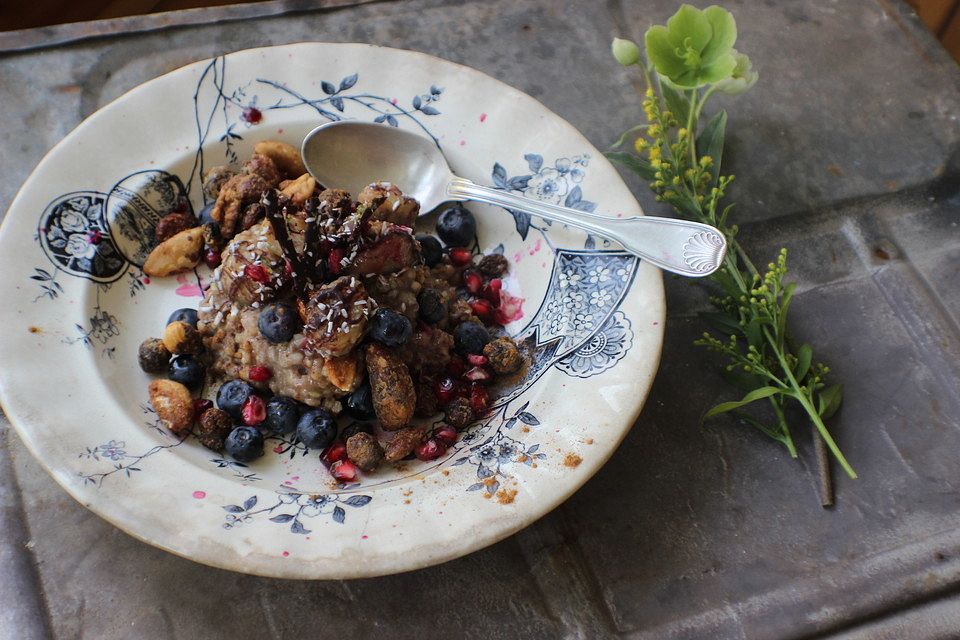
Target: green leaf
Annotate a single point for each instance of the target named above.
(710, 141)
(677, 102)
(829, 401)
(633, 162)
(753, 396)
(722, 322)
(804, 356)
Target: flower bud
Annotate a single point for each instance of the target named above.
(625, 51)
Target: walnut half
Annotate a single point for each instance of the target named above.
(176, 254)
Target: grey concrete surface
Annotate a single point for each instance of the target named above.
(847, 152)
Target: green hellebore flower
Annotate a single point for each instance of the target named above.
(742, 78)
(695, 48)
(625, 51)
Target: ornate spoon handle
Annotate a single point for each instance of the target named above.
(687, 248)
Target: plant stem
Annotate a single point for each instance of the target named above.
(801, 397)
(784, 429)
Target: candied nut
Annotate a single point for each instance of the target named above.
(180, 337)
(344, 372)
(173, 404)
(364, 451)
(179, 253)
(286, 157)
(503, 355)
(235, 195)
(213, 179)
(459, 413)
(212, 237)
(393, 396)
(173, 223)
(427, 402)
(390, 204)
(493, 265)
(338, 201)
(263, 167)
(153, 355)
(388, 254)
(300, 189)
(214, 426)
(354, 428)
(254, 213)
(403, 443)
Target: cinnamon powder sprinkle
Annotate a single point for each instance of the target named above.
(572, 460)
(506, 496)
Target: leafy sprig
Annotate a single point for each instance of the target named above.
(688, 60)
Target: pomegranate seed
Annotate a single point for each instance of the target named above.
(212, 258)
(472, 280)
(344, 471)
(477, 360)
(252, 115)
(333, 260)
(460, 256)
(335, 452)
(430, 449)
(477, 374)
(254, 411)
(500, 316)
(260, 374)
(200, 407)
(456, 367)
(446, 390)
(257, 273)
(95, 237)
(479, 398)
(446, 435)
(481, 309)
(491, 292)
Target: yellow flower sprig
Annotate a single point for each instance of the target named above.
(689, 59)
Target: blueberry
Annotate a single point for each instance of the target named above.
(245, 444)
(278, 322)
(206, 215)
(316, 429)
(188, 371)
(470, 338)
(390, 328)
(432, 309)
(184, 315)
(430, 249)
(359, 404)
(457, 227)
(283, 413)
(232, 395)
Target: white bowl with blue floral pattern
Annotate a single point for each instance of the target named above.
(77, 305)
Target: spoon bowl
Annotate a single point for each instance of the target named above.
(350, 155)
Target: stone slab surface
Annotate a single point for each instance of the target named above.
(847, 152)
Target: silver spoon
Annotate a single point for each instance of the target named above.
(349, 155)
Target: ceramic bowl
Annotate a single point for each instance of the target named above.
(77, 305)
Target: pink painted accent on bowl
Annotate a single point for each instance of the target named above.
(286, 553)
(199, 495)
(188, 289)
(483, 117)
